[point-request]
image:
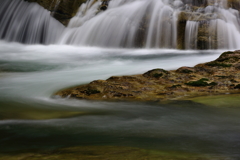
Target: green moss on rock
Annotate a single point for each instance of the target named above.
(198, 83)
(217, 64)
(159, 84)
(156, 73)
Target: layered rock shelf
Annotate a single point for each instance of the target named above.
(221, 76)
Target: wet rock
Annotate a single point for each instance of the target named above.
(185, 70)
(156, 73)
(237, 86)
(62, 10)
(217, 77)
(237, 66)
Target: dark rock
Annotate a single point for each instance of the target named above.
(155, 73)
(63, 11)
(185, 70)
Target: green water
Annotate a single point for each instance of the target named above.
(187, 128)
(34, 125)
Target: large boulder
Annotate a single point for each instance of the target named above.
(212, 78)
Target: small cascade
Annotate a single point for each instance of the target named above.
(162, 27)
(191, 32)
(86, 11)
(182, 24)
(27, 23)
(130, 23)
(177, 24)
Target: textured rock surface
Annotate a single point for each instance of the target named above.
(62, 10)
(212, 78)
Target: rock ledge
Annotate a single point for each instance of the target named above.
(220, 76)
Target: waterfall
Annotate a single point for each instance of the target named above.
(27, 23)
(126, 24)
(178, 24)
(191, 31)
(156, 24)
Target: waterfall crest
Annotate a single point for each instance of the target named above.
(27, 23)
(186, 24)
(178, 24)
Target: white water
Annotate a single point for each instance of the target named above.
(32, 73)
(191, 35)
(127, 24)
(152, 24)
(49, 68)
(28, 23)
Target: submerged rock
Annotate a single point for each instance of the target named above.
(212, 78)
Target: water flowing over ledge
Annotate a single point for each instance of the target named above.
(129, 24)
(27, 23)
(156, 24)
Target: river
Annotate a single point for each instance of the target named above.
(30, 74)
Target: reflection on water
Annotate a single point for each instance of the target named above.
(32, 120)
(181, 126)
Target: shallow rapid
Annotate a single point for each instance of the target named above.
(32, 73)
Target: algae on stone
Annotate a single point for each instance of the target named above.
(106, 152)
(159, 84)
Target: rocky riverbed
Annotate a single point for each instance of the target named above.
(221, 76)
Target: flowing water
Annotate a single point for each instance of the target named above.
(155, 24)
(30, 74)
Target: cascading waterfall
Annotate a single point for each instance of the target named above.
(180, 24)
(191, 31)
(162, 29)
(27, 23)
(126, 24)
(156, 24)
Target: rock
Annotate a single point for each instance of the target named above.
(62, 10)
(185, 70)
(156, 73)
(212, 78)
(235, 4)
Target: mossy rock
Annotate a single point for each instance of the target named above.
(185, 70)
(237, 66)
(237, 86)
(201, 83)
(91, 91)
(229, 57)
(155, 73)
(175, 86)
(217, 64)
(226, 54)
